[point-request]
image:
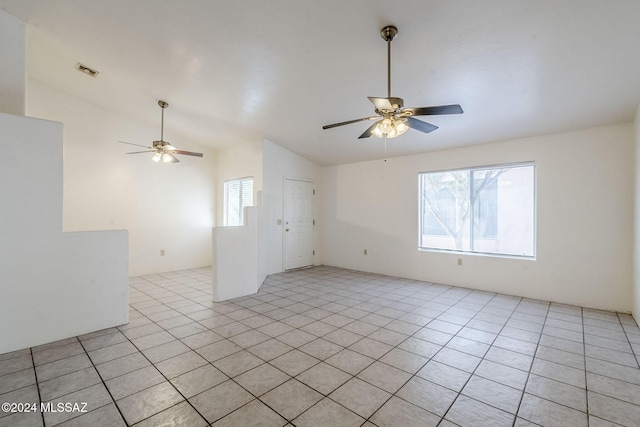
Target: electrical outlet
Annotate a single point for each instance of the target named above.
(161, 252)
(459, 261)
(365, 252)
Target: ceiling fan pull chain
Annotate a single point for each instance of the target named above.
(385, 147)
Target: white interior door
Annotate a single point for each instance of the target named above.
(299, 208)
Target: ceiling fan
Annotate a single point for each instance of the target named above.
(393, 119)
(164, 152)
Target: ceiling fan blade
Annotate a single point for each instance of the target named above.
(389, 104)
(367, 133)
(187, 153)
(138, 152)
(137, 145)
(434, 111)
(420, 125)
(348, 122)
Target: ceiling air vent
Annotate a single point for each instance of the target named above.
(89, 71)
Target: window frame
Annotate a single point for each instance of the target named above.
(225, 201)
(422, 202)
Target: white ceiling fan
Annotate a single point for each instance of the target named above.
(164, 151)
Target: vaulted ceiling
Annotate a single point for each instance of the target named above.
(248, 69)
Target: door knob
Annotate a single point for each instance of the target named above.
(286, 229)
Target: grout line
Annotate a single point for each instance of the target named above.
(35, 373)
(629, 342)
(586, 379)
(533, 359)
(104, 385)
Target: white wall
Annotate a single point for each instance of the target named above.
(164, 206)
(584, 217)
(237, 161)
(235, 258)
(636, 251)
(13, 64)
(280, 163)
(54, 285)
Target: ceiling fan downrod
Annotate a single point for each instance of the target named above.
(388, 33)
(162, 105)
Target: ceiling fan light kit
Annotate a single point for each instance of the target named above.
(392, 118)
(164, 157)
(163, 151)
(390, 128)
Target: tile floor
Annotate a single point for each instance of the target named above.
(334, 347)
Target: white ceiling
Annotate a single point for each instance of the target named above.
(280, 69)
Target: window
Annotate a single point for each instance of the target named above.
(488, 210)
(238, 193)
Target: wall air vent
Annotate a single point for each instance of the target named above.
(88, 71)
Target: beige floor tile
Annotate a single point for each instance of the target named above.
(291, 398)
(384, 376)
(323, 378)
(360, 397)
(398, 412)
(427, 395)
(472, 413)
(262, 379)
(253, 414)
(328, 413)
(220, 400)
(198, 380)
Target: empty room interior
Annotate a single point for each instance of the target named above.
(331, 213)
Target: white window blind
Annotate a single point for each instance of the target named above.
(238, 193)
(488, 210)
